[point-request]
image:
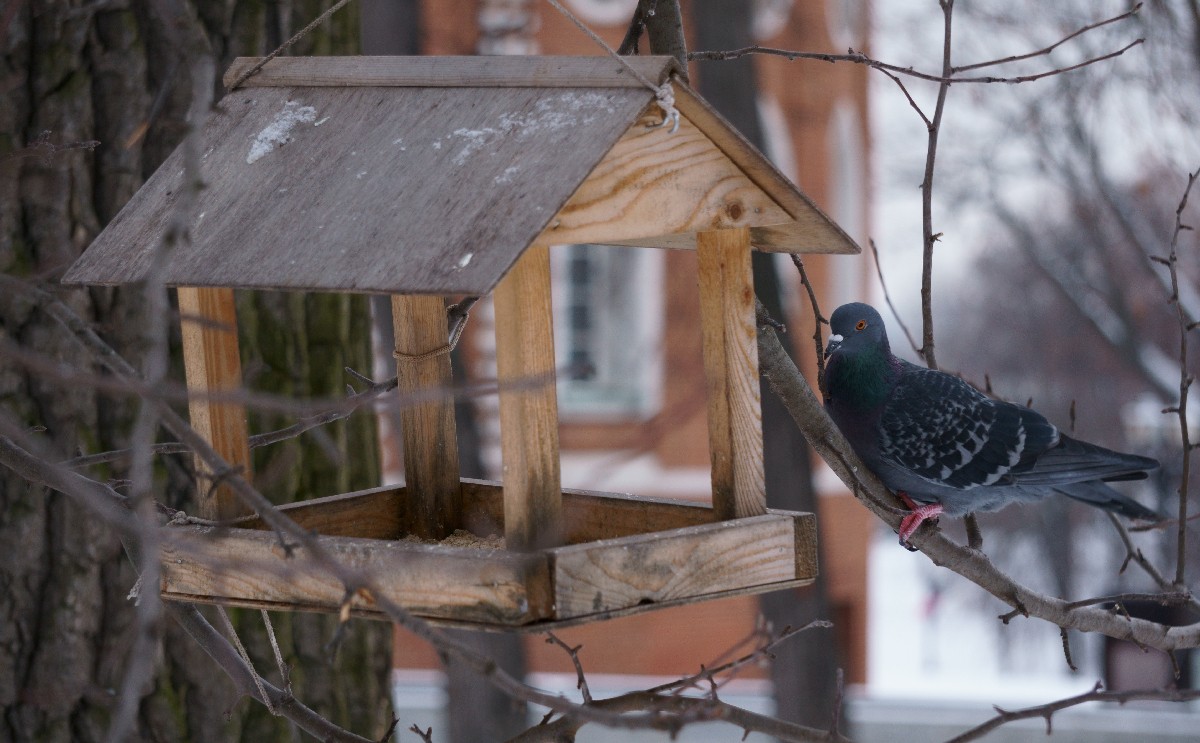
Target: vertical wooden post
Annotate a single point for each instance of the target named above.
(731, 368)
(528, 405)
(212, 365)
(427, 425)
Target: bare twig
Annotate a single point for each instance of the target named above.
(1066, 646)
(948, 78)
(1046, 711)
(818, 319)
(1185, 383)
(1177, 598)
(887, 296)
(928, 238)
(1047, 50)
(573, 653)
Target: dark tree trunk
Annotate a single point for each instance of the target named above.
(804, 670)
(82, 71)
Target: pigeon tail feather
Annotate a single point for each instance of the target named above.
(1096, 493)
(1072, 460)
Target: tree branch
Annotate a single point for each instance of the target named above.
(1046, 711)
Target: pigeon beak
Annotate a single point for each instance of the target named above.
(835, 340)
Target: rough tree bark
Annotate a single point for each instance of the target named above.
(77, 72)
(804, 671)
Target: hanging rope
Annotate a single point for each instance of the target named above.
(664, 94)
(287, 44)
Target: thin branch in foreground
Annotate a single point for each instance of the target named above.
(573, 652)
(1046, 711)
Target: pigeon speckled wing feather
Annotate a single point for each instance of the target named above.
(945, 447)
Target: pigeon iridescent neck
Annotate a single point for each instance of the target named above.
(861, 378)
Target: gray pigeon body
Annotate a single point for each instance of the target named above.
(947, 446)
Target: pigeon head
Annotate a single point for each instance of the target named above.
(854, 328)
(859, 368)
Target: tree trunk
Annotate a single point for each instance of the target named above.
(106, 71)
(804, 670)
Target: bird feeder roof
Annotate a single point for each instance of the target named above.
(431, 175)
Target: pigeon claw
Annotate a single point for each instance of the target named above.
(910, 523)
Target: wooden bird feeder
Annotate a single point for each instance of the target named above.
(434, 176)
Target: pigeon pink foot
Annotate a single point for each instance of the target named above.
(910, 523)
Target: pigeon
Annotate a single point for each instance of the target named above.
(946, 448)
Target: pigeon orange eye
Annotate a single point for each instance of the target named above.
(861, 325)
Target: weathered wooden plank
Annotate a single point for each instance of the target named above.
(588, 515)
(212, 366)
(427, 415)
(243, 566)
(806, 543)
(378, 513)
(663, 566)
(655, 182)
(731, 369)
(313, 188)
(452, 71)
(528, 404)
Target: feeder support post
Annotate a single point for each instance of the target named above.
(208, 328)
(730, 339)
(428, 432)
(528, 404)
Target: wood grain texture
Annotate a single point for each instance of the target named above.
(683, 563)
(528, 404)
(634, 554)
(378, 513)
(806, 543)
(212, 366)
(654, 182)
(244, 567)
(451, 71)
(427, 415)
(389, 190)
(811, 231)
(588, 515)
(341, 180)
(731, 369)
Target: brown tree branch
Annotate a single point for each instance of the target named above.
(1046, 711)
(863, 59)
(1047, 50)
(928, 238)
(1185, 383)
(670, 710)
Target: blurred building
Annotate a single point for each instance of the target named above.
(631, 378)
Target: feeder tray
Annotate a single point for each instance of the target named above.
(435, 176)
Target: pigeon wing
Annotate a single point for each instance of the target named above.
(948, 433)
